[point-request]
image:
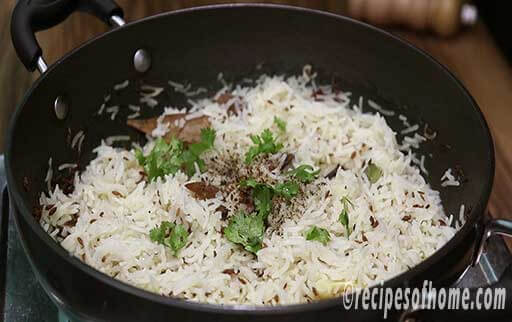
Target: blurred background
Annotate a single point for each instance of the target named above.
(470, 38)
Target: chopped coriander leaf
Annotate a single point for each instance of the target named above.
(262, 195)
(163, 159)
(158, 234)
(169, 158)
(304, 173)
(247, 230)
(288, 189)
(280, 124)
(373, 172)
(140, 157)
(191, 155)
(252, 183)
(318, 234)
(170, 235)
(251, 154)
(177, 239)
(264, 144)
(189, 161)
(206, 143)
(343, 218)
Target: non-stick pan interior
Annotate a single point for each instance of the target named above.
(246, 41)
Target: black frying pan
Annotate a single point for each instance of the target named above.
(195, 45)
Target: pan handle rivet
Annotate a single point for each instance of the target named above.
(142, 60)
(61, 107)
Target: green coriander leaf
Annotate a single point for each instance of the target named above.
(208, 136)
(251, 154)
(255, 139)
(189, 160)
(177, 238)
(206, 143)
(280, 124)
(262, 195)
(247, 230)
(191, 156)
(170, 235)
(264, 144)
(140, 156)
(304, 173)
(318, 234)
(158, 234)
(250, 183)
(163, 159)
(373, 172)
(343, 218)
(169, 158)
(267, 137)
(288, 189)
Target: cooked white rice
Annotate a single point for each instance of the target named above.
(67, 166)
(448, 179)
(113, 110)
(397, 222)
(120, 86)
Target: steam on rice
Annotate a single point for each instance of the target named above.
(395, 223)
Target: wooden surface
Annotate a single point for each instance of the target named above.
(471, 55)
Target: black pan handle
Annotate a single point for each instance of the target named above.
(31, 16)
(500, 290)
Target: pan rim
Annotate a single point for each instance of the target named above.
(467, 228)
